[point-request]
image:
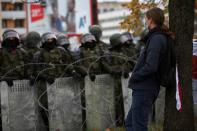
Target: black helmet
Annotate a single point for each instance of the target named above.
(96, 31)
(62, 40)
(10, 34)
(125, 37)
(32, 39)
(23, 38)
(47, 38)
(115, 40)
(87, 38)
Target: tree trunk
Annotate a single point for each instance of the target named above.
(181, 18)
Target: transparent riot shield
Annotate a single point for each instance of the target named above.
(18, 106)
(64, 105)
(127, 95)
(100, 108)
(160, 105)
(194, 84)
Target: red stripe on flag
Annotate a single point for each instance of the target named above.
(180, 94)
(194, 67)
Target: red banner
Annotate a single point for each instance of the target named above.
(194, 67)
(194, 61)
(37, 12)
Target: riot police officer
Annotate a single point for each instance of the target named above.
(96, 31)
(31, 47)
(129, 49)
(49, 61)
(51, 56)
(11, 58)
(67, 56)
(92, 63)
(118, 66)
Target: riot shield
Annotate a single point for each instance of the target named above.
(160, 105)
(194, 84)
(127, 95)
(64, 104)
(100, 108)
(18, 106)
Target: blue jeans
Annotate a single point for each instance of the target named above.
(142, 102)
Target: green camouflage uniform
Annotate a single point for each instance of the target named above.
(48, 67)
(31, 47)
(12, 64)
(11, 58)
(67, 57)
(96, 31)
(92, 62)
(117, 66)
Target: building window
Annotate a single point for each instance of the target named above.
(9, 23)
(112, 9)
(8, 6)
(4, 22)
(19, 23)
(18, 6)
(105, 10)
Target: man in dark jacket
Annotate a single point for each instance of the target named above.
(144, 81)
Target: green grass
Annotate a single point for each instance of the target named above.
(156, 127)
(152, 127)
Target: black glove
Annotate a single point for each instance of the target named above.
(126, 75)
(9, 82)
(50, 79)
(116, 73)
(31, 80)
(41, 78)
(92, 77)
(76, 75)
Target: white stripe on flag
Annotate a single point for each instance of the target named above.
(178, 93)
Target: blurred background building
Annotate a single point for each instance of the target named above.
(110, 15)
(13, 15)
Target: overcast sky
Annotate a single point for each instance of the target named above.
(113, 0)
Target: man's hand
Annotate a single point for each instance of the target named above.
(9, 82)
(92, 77)
(31, 80)
(50, 79)
(126, 75)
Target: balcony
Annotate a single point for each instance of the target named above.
(10, 0)
(13, 14)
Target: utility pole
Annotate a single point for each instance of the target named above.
(95, 12)
(0, 18)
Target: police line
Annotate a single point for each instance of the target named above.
(20, 103)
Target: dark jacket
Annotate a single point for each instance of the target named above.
(144, 75)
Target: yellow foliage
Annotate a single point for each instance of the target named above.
(133, 22)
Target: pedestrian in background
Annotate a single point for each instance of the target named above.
(144, 80)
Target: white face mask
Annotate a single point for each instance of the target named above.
(145, 24)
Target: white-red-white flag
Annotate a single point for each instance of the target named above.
(194, 72)
(178, 92)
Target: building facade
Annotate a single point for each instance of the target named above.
(110, 15)
(13, 15)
